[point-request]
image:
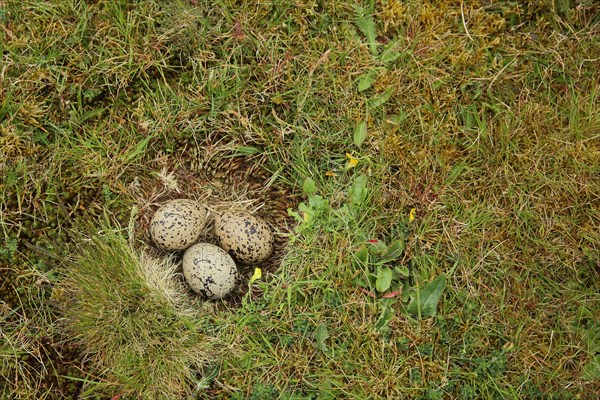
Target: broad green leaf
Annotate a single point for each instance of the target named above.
(407, 292)
(390, 52)
(387, 313)
(316, 202)
(362, 256)
(393, 251)
(591, 372)
(307, 212)
(591, 337)
(365, 81)
(384, 279)
(423, 302)
(304, 207)
(402, 271)
(378, 247)
(390, 56)
(359, 190)
(372, 279)
(321, 335)
(309, 187)
(360, 133)
(381, 98)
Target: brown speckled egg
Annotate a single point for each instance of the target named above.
(209, 270)
(177, 224)
(247, 238)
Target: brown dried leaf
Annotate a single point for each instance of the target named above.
(238, 31)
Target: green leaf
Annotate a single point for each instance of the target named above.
(321, 335)
(316, 202)
(360, 133)
(387, 313)
(591, 372)
(303, 207)
(309, 187)
(362, 256)
(402, 271)
(591, 337)
(365, 81)
(241, 151)
(294, 214)
(371, 280)
(390, 52)
(396, 119)
(407, 292)
(384, 279)
(359, 190)
(90, 114)
(377, 248)
(381, 98)
(424, 301)
(363, 18)
(393, 251)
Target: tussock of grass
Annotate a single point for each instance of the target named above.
(133, 321)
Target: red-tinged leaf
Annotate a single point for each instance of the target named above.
(370, 294)
(116, 397)
(390, 295)
(372, 241)
(238, 31)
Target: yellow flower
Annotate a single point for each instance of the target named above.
(351, 161)
(411, 216)
(256, 276)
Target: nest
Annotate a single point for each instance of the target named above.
(222, 184)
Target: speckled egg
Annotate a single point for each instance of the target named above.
(247, 238)
(209, 270)
(177, 224)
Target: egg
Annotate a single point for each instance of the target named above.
(247, 238)
(177, 224)
(209, 270)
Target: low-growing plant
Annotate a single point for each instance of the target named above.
(384, 276)
(386, 279)
(132, 320)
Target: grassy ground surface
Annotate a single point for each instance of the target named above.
(463, 134)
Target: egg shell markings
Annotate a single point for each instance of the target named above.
(177, 224)
(247, 238)
(209, 270)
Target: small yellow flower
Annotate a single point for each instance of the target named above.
(352, 162)
(411, 216)
(256, 276)
(331, 174)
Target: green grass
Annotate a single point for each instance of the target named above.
(132, 320)
(481, 117)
